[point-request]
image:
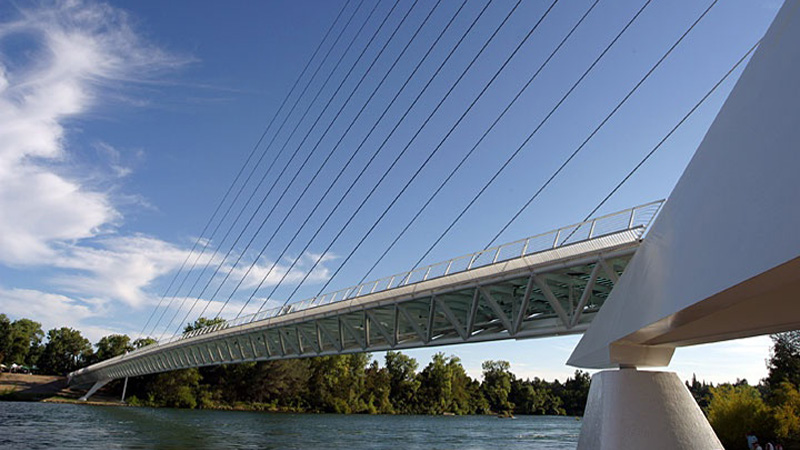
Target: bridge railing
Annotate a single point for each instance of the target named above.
(637, 218)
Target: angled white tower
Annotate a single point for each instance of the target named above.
(721, 261)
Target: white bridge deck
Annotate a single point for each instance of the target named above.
(546, 285)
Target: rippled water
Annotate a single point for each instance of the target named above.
(47, 425)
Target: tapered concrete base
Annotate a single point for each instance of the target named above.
(630, 409)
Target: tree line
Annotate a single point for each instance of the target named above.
(354, 383)
(357, 383)
(770, 409)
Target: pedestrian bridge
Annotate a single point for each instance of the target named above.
(546, 285)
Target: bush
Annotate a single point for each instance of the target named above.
(736, 410)
(787, 413)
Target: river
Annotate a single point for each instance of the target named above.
(49, 425)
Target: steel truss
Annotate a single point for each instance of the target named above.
(519, 299)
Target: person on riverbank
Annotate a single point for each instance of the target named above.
(751, 440)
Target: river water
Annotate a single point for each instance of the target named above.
(48, 425)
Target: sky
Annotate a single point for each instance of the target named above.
(124, 124)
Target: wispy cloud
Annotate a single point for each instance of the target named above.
(52, 215)
(61, 220)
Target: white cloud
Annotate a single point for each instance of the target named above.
(56, 311)
(52, 217)
(64, 220)
(272, 273)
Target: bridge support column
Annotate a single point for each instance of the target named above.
(628, 408)
(97, 385)
(124, 390)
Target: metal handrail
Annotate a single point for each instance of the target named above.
(638, 217)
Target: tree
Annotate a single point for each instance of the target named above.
(23, 339)
(143, 342)
(176, 389)
(787, 413)
(736, 410)
(5, 337)
(497, 379)
(202, 322)
(66, 350)
(377, 390)
(445, 387)
(403, 382)
(337, 382)
(111, 346)
(784, 361)
(575, 393)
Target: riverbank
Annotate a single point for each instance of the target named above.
(19, 387)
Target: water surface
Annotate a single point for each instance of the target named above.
(48, 425)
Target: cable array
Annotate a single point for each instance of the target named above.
(244, 165)
(397, 158)
(324, 127)
(294, 154)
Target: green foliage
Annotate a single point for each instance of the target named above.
(403, 381)
(377, 390)
(340, 384)
(111, 346)
(737, 410)
(574, 392)
(444, 387)
(143, 342)
(786, 411)
(700, 391)
(202, 322)
(497, 380)
(5, 338)
(66, 350)
(784, 361)
(20, 341)
(176, 389)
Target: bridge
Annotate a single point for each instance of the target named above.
(550, 284)
(720, 261)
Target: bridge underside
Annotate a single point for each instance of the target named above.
(547, 294)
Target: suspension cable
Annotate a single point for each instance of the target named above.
(671, 131)
(599, 126)
(297, 149)
(303, 164)
(406, 147)
(535, 130)
(369, 134)
(474, 147)
(241, 170)
(324, 163)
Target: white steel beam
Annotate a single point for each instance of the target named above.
(587, 293)
(448, 313)
(551, 298)
(414, 324)
(379, 326)
(498, 311)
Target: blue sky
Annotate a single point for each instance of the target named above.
(122, 124)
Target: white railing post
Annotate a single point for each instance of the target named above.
(633, 214)
(496, 255)
(555, 241)
(591, 228)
